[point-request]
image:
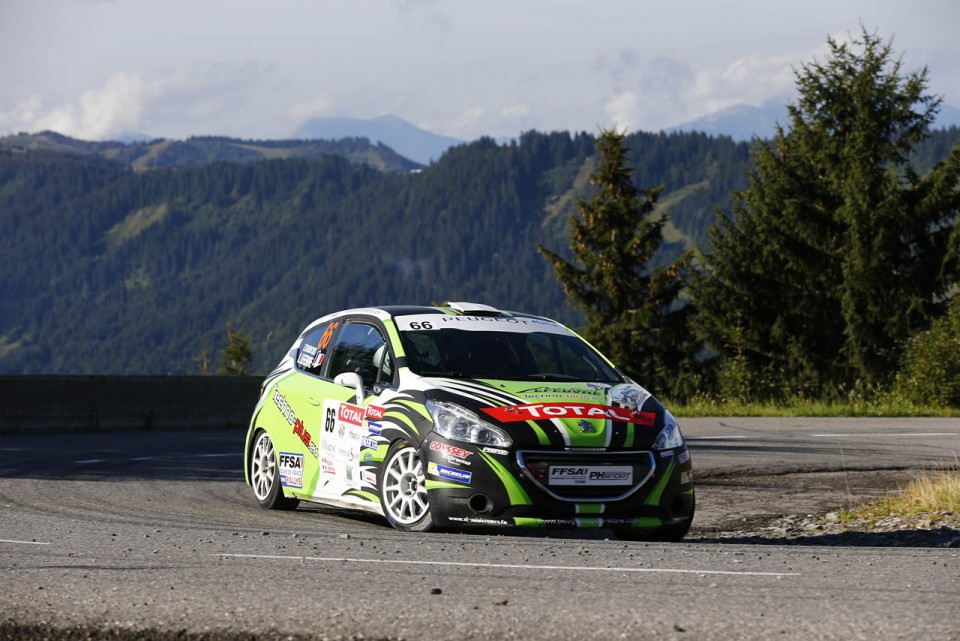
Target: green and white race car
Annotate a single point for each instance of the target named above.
(465, 415)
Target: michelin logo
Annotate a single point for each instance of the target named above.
(449, 473)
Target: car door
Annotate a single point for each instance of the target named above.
(359, 347)
(302, 395)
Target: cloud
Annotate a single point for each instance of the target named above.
(429, 13)
(318, 107)
(751, 80)
(202, 99)
(646, 94)
(21, 116)
(661, 92)
(623, 110)
(484, 121)
(115, 108)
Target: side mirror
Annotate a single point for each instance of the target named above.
(351, 379)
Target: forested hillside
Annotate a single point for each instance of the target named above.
(110, 269)
(203, 150)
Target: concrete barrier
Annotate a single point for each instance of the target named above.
(32, 404)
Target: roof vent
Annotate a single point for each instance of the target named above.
(474, 309)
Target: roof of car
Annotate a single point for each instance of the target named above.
(455, 309)
(464, 309)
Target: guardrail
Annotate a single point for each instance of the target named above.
(32, 404)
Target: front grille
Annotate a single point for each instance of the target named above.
(587, 476)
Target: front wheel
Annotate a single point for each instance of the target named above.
(403, 489)
(265, 476)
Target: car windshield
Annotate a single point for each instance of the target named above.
(505, 355)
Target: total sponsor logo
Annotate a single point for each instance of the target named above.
(375, 413)
(449, 473)
(351, 414)
(545, 411)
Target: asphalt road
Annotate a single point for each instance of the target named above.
(154, 535)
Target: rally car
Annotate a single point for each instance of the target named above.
(464, 415)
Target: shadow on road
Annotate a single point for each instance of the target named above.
(943, 537)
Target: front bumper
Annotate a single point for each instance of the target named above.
(560, 488)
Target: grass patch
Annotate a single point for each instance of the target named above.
(136, 223)
(932, 496)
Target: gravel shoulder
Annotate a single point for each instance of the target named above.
(802, 509)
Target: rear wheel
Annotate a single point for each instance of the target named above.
(265, 476)
(403, 489)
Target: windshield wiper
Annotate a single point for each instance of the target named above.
(443, 373)
(541, 377)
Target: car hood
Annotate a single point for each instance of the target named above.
(560, 415)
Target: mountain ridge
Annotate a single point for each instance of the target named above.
(202, 150)
(408, 140)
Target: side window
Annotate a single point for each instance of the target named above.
(316, 343)
(358, 349)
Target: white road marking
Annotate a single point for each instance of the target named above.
(24, 542)
(827, 435)
(841, 435)
(139, 459)
(501, 565)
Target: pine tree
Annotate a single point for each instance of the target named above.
(631, 306)
(834, 255)
(236, 353)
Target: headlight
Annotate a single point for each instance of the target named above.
(455, 423)
(669, 437)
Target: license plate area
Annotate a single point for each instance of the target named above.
(587, 476)
(590, 475)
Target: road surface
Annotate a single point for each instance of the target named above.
(154, 535)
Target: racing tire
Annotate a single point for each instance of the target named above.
(265, 475)
(403, 489)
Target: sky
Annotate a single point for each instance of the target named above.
(106, 69)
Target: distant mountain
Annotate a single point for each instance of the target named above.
(740, 122)
(949, 116)
(203, 150)
(744, 122)
(408, 140)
